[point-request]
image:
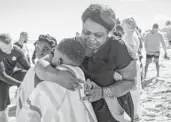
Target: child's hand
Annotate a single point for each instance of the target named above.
(117, 76)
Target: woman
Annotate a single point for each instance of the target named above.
(104, 55)
(131, 39)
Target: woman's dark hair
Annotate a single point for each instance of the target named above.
(156, 26)
(101, 14)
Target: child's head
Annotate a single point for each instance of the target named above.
(24, 37)
(45, 45)
(69, 51)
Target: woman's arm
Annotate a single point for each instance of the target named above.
(123, 86)
(45, 71)
(119, 88)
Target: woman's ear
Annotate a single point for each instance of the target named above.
(53, 49)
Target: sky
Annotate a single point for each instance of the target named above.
(62, 18)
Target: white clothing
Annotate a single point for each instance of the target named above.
(25, 89)
(167, 30)
(49, 102)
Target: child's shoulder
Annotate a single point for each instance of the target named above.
(74, 70)
(50, 91)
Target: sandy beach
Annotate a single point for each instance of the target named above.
(156, 94)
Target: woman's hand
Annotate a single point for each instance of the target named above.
(92, 91)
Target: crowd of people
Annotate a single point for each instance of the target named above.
(93, 77)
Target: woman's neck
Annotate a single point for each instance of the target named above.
(89, 52)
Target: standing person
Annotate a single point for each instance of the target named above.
(9, 76)
(23, 39)
(5, 49)
(140, 55)
(153, 39)
(167, 31)
(43, 46)
(5, 45)
(9, 55)
(104, 55)
(131, 39)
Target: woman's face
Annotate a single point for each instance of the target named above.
(42, 48)
(93, 34)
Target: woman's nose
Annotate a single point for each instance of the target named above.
(92, 37)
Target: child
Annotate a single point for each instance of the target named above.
(50, 102)
(43, 46)
(132, 41)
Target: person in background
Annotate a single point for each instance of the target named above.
(152, 42)
(8, 76)
(23, 40)
(52, 42)
(5, 45)
(140, 55)
(34, 54)
(167, 31)
(104, 55)
(5, 49)
(43, 46)
(118, 32)
(131, 39)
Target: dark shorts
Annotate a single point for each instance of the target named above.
(4, 89)
(152, 57)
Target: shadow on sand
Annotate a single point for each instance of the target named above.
(149, 82)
